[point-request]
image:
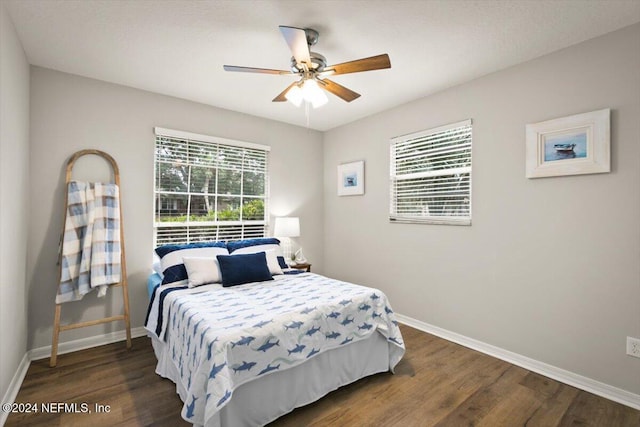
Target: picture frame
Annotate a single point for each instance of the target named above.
(573, 145)
(351, 179)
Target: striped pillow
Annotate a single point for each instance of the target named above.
(252, 246)
(269, 245)
(172, 263)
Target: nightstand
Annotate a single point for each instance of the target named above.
(302, 266)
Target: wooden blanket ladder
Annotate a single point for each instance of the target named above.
(57, 328)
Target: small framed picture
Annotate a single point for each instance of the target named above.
(573, 145)
(351, 179)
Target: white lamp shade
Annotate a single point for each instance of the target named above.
(308, 91)
(295, 96)
(287, 226)
(313, 94)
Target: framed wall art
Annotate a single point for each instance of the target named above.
(351, 179)
(572, 145)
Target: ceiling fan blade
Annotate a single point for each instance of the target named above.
(282, 96)
(338, 90)
(366, 64)
(254, 70)
(296, 38)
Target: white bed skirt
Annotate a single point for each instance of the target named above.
(267, 398)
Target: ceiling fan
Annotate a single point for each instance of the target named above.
(313, 70)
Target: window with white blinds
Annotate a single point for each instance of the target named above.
(430, 176)
(208, 188)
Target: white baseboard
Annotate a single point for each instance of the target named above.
(84, 343)
(587, 384)
(63, 347)
(14, 385)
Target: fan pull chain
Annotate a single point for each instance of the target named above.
(306, 112)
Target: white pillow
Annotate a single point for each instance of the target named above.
(157, 266)
(272, 262)
(202, 271)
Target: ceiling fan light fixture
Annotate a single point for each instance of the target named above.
(295, 95)
(313, 94)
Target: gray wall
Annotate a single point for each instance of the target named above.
(550, 268)
(70, 113)
(14, 197)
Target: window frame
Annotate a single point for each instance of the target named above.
(419, 140)
(223, 230)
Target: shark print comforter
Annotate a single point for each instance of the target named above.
(220, 338)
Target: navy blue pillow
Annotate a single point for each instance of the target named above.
(245, 268)
(164, 250)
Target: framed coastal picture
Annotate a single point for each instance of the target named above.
(351, 179)
(572, 145)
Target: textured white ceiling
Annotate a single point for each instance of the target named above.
(178, 48)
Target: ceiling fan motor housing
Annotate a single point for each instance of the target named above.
(318, 62)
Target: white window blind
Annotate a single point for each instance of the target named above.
(430, 176)
(208, 188)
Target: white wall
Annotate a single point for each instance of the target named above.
(14, 197)
(70, 113)
(550, 268)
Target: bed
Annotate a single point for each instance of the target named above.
(248, 353)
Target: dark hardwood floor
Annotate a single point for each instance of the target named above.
(438, 383)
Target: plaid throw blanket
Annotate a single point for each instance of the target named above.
(91, 241)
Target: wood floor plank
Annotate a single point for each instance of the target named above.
(590, 410)
(552, 410)
(438, 383)
(518, 406)
(482, 401)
